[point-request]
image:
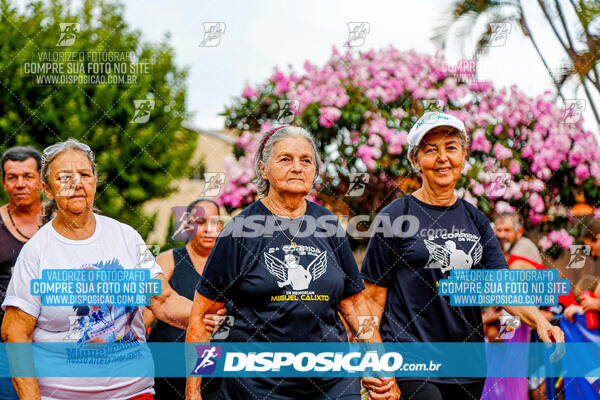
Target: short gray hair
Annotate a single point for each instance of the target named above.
(262, 185)
(414, 150)
(515, 217)
(48, 157)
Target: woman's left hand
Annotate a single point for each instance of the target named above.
(212, 321)
(552, 334)
(381, 388)
(549, 333)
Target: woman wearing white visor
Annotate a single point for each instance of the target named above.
(402, 273)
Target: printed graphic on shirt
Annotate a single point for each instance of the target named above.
(102, 323)
(449, 255)
(286, 267)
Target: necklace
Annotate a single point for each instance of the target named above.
(292, 243)
(15, 225)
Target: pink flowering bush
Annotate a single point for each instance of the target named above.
(360, 107)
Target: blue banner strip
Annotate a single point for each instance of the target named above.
(294, 359)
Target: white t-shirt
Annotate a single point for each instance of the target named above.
(113, 245)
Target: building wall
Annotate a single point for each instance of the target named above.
(209, 150)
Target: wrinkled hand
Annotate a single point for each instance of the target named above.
(572, 310)
(381, 388)
(590, 304)
(552, 334)
(212, 320)
(549, 333)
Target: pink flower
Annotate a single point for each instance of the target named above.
(595, 171)
(514, 167)
(582, 172)
(364, 152)
(375, 141)
(545, 243)
(534, 217)
(328, 116)
(480, 142)
(397, 143)
(540, 145)
(536, 202)
(399, 113)
(562, 238)
(368, 155)
(503, 207)
(469, 197)
(249, 92)
(501, 152)
(536, 185)
(478, 189)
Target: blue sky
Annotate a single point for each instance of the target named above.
(262, 34)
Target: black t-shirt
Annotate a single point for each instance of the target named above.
(280, 293)
(457, 236)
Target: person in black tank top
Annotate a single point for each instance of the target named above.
(183, 281)
(184, 265)
(11, 247)
(19, 220)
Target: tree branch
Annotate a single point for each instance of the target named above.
(562, 43)
(527, 31)
(592, 106)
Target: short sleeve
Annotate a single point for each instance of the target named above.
(222, 270)
(18, 293)
(352, 283)
(145, 258)
(492, 257)
(378, 264)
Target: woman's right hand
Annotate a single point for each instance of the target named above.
(381, 388)
(572, 310)
(214, 320)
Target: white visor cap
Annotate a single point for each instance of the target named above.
(431, 120)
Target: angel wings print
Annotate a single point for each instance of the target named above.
(449, 256)
(289, 272)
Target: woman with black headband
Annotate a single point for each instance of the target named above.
(182, 268)
(287, 281)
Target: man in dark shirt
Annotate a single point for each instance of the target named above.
(19, 220)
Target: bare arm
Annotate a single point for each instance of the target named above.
(353, 306)
(522, 264)
(198, 333)
(377, 296)
(17, 327)
(533, 317)
(167, 264)
(148, 318)
(169, 306)
(371, 301)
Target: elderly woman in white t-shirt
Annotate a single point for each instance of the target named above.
(78, 238)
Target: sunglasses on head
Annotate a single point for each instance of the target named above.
(50, 150)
